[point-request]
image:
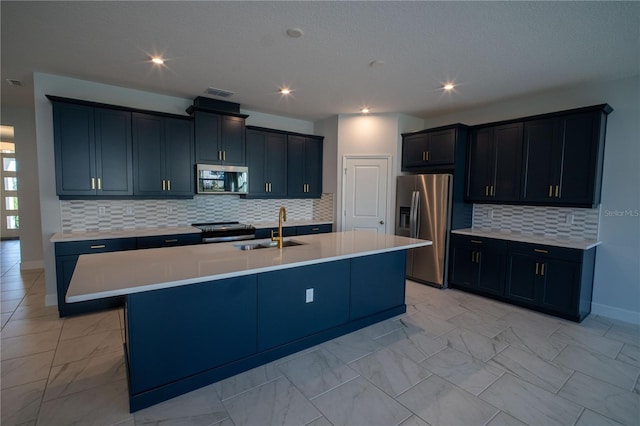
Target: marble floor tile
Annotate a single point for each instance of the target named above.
(624, 332)
(317, 372)
(4, 319)
(358, 402)
(400, 342)
(587, 340)
(35, 300)
(438, 402)
(20, 404)
(591, 418)
(474, 344)
(630, 354)
(444, 310)
(532, 321)
(482, 306)
(603, 398)
(25, 369)
(24, 312)
(390, 371)
(225, 422)
(380, 329)
(200, 407)
(531, 368)
(463, 370)
(8, 306)
(414, 421)
(504, 419)
(277, 402)
(535, 343)
(351, 346)
(427, 324)
(29, 326)
(322, 421)
(14, 347)
(529, 403)
(84, 374)
(105, 405)
(242, 382)
(599, 366)
(88, 346)
(12, 294)
(485, 324)
(593, 324)
(84, 325)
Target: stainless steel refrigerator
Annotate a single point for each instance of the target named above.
(423, 210)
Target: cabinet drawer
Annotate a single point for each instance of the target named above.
(314, 229)
(288, 231)
(95, 246)
(168, 240)
(544, 251)
(478, 242)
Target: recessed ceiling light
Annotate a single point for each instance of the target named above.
(157, 60)
(448, 86)
(365, 110)
(285, 91)
(295, 32)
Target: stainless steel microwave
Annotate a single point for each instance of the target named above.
(213, 179)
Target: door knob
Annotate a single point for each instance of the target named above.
(382, 222)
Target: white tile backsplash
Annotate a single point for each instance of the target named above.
(108, 215)
(566, 222)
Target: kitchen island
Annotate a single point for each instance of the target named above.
(198, 314)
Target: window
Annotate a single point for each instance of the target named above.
(9, 164)
(10, 183)
(13, 222)
(11, 203)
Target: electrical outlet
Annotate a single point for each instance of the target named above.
(128, 210)
(169, 209)
(102, 210)
(569, 219)
(309, 295)
(490, 213)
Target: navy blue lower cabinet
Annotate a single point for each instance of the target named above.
(297, 302)
(158, 241)
(181, 331)
(377, 283)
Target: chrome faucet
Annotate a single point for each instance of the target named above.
(282, 216)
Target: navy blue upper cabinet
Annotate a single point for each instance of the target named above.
(267, 162)
(163, 155)
(494, 161)
(92, 151)
(563, 158)
(304, 166)
(428, 148)
(220, 138)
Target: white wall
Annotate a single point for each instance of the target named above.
(261, 119)
(616, 290)
(48, 84)
(23, 121)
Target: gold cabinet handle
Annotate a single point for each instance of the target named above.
(93, 183)
(537, 267)
(473, 257)
(493, 191)
(541, 251)
(542, 269)
(476, 241)
(478, 257)
(486, 190)
(550, 190)
(168, 184)
(266, 187)
(224, 155)
(173, 240)
(99, 246)
(557, 191)
(99, 183)
(164, 185)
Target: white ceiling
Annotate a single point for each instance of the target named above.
(491, 50)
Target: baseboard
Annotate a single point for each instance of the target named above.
(615, 313)
(31, 264)
(51, 299)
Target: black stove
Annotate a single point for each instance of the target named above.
(217, 232)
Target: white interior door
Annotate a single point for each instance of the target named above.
(9, 215)
(365, 189)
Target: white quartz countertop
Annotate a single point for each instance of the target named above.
(118, 273)
(63, 237)
(580, 244)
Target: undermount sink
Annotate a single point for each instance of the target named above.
(268, 244)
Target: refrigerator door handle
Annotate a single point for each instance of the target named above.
(413, 217)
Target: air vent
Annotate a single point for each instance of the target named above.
(219, 92)
(14, 82)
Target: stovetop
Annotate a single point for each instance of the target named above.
(222, 226)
